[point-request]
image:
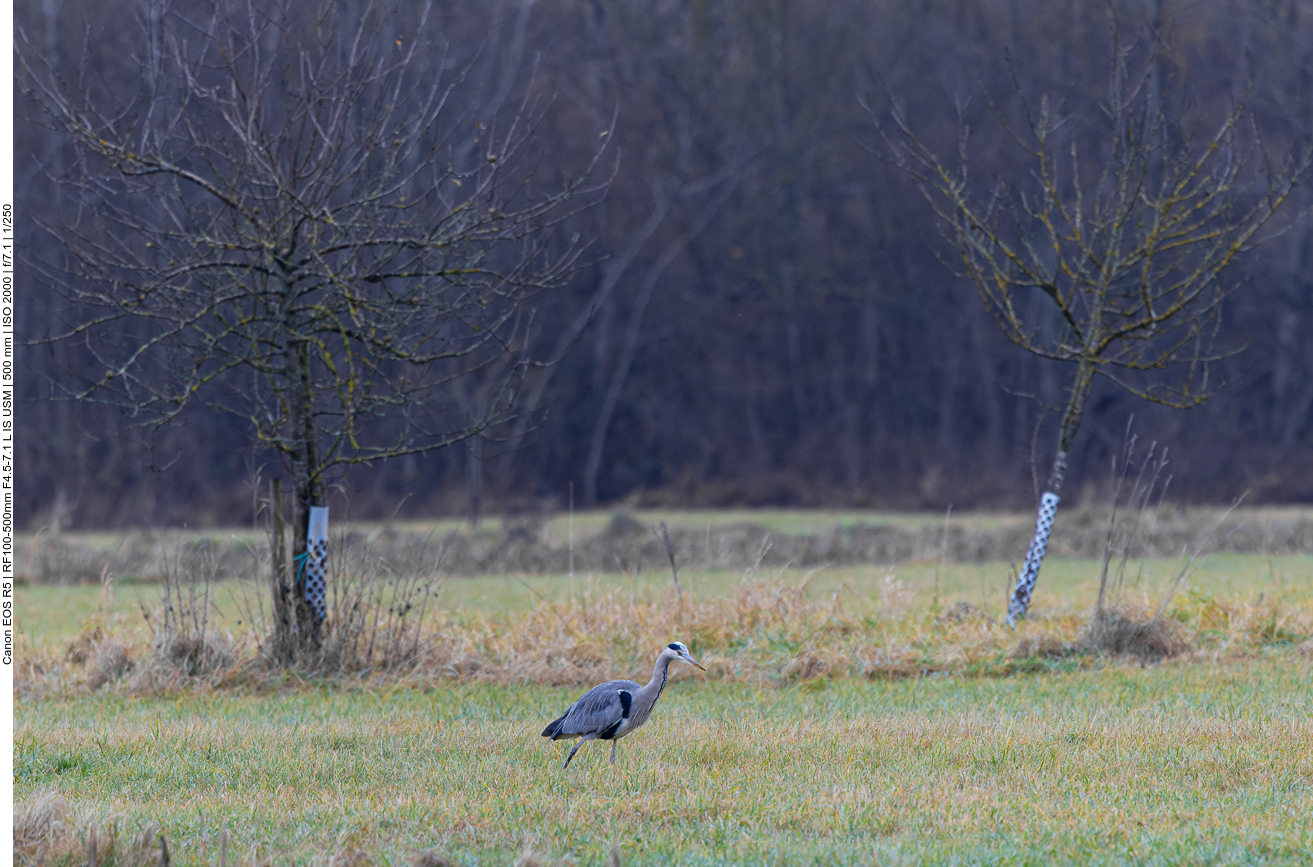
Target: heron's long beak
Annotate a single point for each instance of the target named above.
(688, 657)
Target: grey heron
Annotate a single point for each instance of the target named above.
(611, 710)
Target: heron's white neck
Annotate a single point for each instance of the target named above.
(659, 673)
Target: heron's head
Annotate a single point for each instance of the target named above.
(681, 652)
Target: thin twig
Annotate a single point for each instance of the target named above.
(664, 535)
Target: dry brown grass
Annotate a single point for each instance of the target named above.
(1132, 631)
(1044, 647)
(109, 664)
(176, 661)
(429, 858)
(766, 633)
(48, 831)
(41, 828)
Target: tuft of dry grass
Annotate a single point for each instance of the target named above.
(429, 858)
(178, 660)
(47, 831)
(105, 655)
(110, 663)
(962, 612)
(41, 828)
(534, 853)
(1043, 646)
(1126, 631)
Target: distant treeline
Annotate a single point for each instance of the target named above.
(770, 319)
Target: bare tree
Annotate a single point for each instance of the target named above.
(298, 213)
(829, 293)
(1127, 246)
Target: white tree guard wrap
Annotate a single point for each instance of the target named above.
(1048, 507)
(315, 588)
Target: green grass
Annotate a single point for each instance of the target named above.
(1201, 763)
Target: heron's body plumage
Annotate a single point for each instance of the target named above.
(611, 710)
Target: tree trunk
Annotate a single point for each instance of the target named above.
(303, 592)
(593, 465)
(1048, 501)
(628, 348)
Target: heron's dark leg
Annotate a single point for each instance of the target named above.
(613, 746)
(584, 740)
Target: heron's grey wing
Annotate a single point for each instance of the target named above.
(598, 709)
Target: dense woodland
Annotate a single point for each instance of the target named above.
(763, 310)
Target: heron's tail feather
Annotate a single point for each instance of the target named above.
(554, 728)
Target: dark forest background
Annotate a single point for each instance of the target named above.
(772, 320)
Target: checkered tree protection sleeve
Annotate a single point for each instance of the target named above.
(1048, 507)
(315, 587)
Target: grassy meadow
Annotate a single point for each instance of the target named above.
(1201, 763)
(869, 714)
